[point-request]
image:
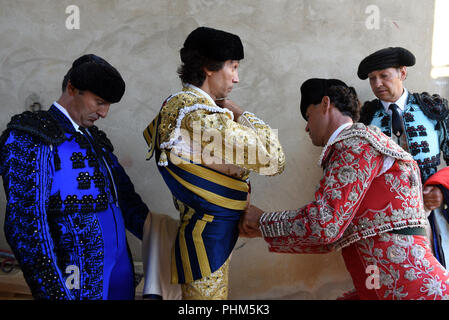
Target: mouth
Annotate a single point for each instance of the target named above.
(381, 91)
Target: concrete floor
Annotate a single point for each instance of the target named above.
(14, 287)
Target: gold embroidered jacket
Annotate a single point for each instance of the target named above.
(193, 127)
(192, 135)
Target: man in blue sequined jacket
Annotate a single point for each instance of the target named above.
(68, 198)
(418, 122)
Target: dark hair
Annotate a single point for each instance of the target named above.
(345, 99)
(66, 80)
(191, 70)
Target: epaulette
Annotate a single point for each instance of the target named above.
(433, 106)
(100, 138)
(368, 110)
(39, 124)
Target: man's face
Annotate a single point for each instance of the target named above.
(87, 107)
(387, 83)
(315, 126)
(222, 81)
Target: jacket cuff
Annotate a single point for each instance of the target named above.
(272, 224)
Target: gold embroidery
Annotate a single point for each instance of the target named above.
(218, 140)
(212, 287)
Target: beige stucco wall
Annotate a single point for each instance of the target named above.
(286, 42)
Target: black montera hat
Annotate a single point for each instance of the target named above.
(214, 44)
(94, 74)
(313, 90)
(391, 57)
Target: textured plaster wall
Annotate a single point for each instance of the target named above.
(286, 42)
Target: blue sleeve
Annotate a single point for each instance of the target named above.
(24, 167)
(133, 208)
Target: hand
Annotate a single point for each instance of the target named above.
(432, 197)
(229, 104)
(249, 222)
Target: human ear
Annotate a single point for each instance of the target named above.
(325, 103)
(71, 90)
(403, 73)
(207, 71)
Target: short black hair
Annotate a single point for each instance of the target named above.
(345, 99)
(191, 70)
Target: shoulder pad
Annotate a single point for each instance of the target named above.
(101, 138)
(368, 110)
(433, 106)
(39, 124)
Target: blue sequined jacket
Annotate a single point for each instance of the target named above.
(55, 186)
(426, 125)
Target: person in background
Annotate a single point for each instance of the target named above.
(418, 122)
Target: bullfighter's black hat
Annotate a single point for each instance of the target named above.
(92, 73)
(213, 44)
(313, 90)
(391, 57)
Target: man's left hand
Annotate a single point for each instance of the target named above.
(432, 197)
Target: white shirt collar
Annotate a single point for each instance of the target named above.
(64, 111)
(337, 132)
(331, 140)
(202, 92)
(400, 102)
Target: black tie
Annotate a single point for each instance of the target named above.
(396, 123)
(94, 145)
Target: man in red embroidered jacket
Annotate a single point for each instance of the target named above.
(368, 204)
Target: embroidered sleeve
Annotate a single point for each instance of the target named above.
(313, 228)
(26, 228)
(249, 143)
(134, 209)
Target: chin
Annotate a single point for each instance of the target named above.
(316, 143)
(383, 96)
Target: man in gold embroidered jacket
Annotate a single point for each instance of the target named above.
(205, 146)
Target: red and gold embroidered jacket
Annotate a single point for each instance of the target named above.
(355, 199)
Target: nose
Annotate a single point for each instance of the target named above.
(307, 127)
(235, 79)
(103, 111)
(376, 82)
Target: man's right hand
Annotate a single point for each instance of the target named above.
(249, 222)
(229, 104)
